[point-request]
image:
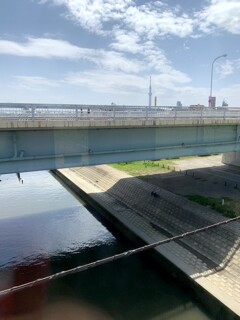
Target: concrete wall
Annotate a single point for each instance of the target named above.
(231, 158)
(45, 145)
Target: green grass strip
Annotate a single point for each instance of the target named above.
(230, 208)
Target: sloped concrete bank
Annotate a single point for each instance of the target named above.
(208, 263)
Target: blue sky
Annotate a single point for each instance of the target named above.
(103, 51)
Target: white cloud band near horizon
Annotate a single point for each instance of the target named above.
(51, 48)
(109, 78)
(107, 60)
(124, 85)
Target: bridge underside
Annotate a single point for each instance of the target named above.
(50, 148)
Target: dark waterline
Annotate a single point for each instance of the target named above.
(45, 229)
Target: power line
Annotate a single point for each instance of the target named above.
(112, 258)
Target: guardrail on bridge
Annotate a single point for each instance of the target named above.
(78, 112)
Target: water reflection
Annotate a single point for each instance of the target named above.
(61, 232)
(44, 229)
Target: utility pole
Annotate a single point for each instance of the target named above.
(150, 93)
(210, 97)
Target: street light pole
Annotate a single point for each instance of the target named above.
(210, 97)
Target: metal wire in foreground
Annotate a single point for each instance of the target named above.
(112, 258)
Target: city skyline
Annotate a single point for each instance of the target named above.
(104, 51)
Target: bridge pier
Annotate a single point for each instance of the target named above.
(231, 158)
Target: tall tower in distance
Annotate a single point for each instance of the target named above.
(150, 93)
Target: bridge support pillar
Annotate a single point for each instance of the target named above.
(231, 158)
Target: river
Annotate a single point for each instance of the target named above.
(44, 229)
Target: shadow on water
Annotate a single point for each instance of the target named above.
(127, 289)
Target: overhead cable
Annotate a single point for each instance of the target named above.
(112, 258)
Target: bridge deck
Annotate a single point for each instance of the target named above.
(42, 137)
(19, 124)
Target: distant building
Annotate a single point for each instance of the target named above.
(196, 106)
(155, 101)
(150, 93)
(212, 102)
(224, 104)
(179, 104)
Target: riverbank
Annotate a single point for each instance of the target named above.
(205, 180)
(208, 262)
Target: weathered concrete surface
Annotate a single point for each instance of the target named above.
(205, 176)
(210, 259)
(7, 124)
(47, 145)
(231, 158)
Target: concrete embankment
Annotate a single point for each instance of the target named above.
(209, 262)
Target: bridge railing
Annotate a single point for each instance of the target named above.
(77, 112)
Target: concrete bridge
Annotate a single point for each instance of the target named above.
(43, 137)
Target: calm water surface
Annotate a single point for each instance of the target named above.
(44, 229)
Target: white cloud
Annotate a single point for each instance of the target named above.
(157, 60)
(230, 94)
(121, 83)
(133, 29)
(94, 14)
(126, 41)
(151, 57)
(119, 86)
(220, 15)
(43, 48)
(237, 63)
(225, 69)
(154, 22)
(116, 61)
(185, 46)
(228, 67)
(94, 80)
(154, 19)
(36, 83)
(186, 94)
(51, 48)
(104, 82)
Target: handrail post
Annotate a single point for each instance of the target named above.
(76, 112)
(33, 112)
